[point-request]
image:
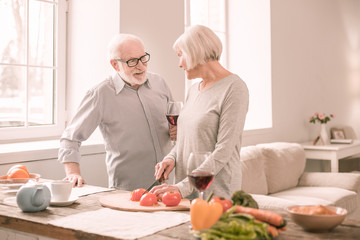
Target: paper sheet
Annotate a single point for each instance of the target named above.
(122, 224)
(88, 189)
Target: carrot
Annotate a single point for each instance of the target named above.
(270, 228)
(262, 215)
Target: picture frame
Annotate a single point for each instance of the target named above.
(337, 133)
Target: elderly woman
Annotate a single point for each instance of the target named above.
(212, 119)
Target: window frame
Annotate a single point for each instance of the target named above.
(28, 133)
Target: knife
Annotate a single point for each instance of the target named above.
(157, 182)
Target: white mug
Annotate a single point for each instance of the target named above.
(60, 190)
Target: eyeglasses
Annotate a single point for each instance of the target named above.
(134, 61)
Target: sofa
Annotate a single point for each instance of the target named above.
(273, 173)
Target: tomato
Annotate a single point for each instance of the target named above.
(225, 203)
(137, 194)
(148, 199)
(171, 199)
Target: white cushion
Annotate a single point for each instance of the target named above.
(269, 202)
(320, 195)
(349, 181)
(284, 163)
(252, 170)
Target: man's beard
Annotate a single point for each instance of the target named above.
(132, 80)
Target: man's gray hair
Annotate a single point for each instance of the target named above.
(118, 40)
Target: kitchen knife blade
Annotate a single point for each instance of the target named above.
(157, 182)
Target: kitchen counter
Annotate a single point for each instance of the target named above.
(12, 218)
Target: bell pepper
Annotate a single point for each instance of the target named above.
(203, 214)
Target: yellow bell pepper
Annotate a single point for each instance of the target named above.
(203, 214)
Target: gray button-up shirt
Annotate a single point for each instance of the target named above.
(133, 124)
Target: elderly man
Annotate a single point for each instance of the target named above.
(129, 108)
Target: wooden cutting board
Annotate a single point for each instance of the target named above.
(121, 201)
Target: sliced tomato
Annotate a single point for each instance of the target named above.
(225, 203)
(148, 199)
(171, 199)
(137, 194)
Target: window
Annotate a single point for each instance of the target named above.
(244, 29)
(32, 68)
(210, 13)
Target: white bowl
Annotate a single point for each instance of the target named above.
(317, 223)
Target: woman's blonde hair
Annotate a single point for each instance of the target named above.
(199, 44)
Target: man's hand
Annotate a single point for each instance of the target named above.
(173, 132)
(164, 168)
(72, 171)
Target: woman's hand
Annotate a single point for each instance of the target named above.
(164, 168)
(160, 190)
(173, 132)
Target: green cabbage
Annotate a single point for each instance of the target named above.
(243, 199)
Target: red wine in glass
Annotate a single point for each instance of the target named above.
(172, 119)
(200, 171)
(201, 180)
(172, 113)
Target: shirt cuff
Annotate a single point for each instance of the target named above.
(185, 188)
(68, 155)
(171, 157)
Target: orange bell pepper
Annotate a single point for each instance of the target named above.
(203, 214)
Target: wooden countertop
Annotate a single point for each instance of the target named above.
(37, 223)
(12, 217)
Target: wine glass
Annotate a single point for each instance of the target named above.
(172, 114)
(200, 171)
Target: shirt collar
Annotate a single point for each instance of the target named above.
(119, 84)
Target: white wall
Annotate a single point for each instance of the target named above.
(315, 67)
(92, 168)
(91, 25)
(159, 23)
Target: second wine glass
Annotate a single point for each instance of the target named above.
(172, 114)
(173, 111)
(200, 171)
